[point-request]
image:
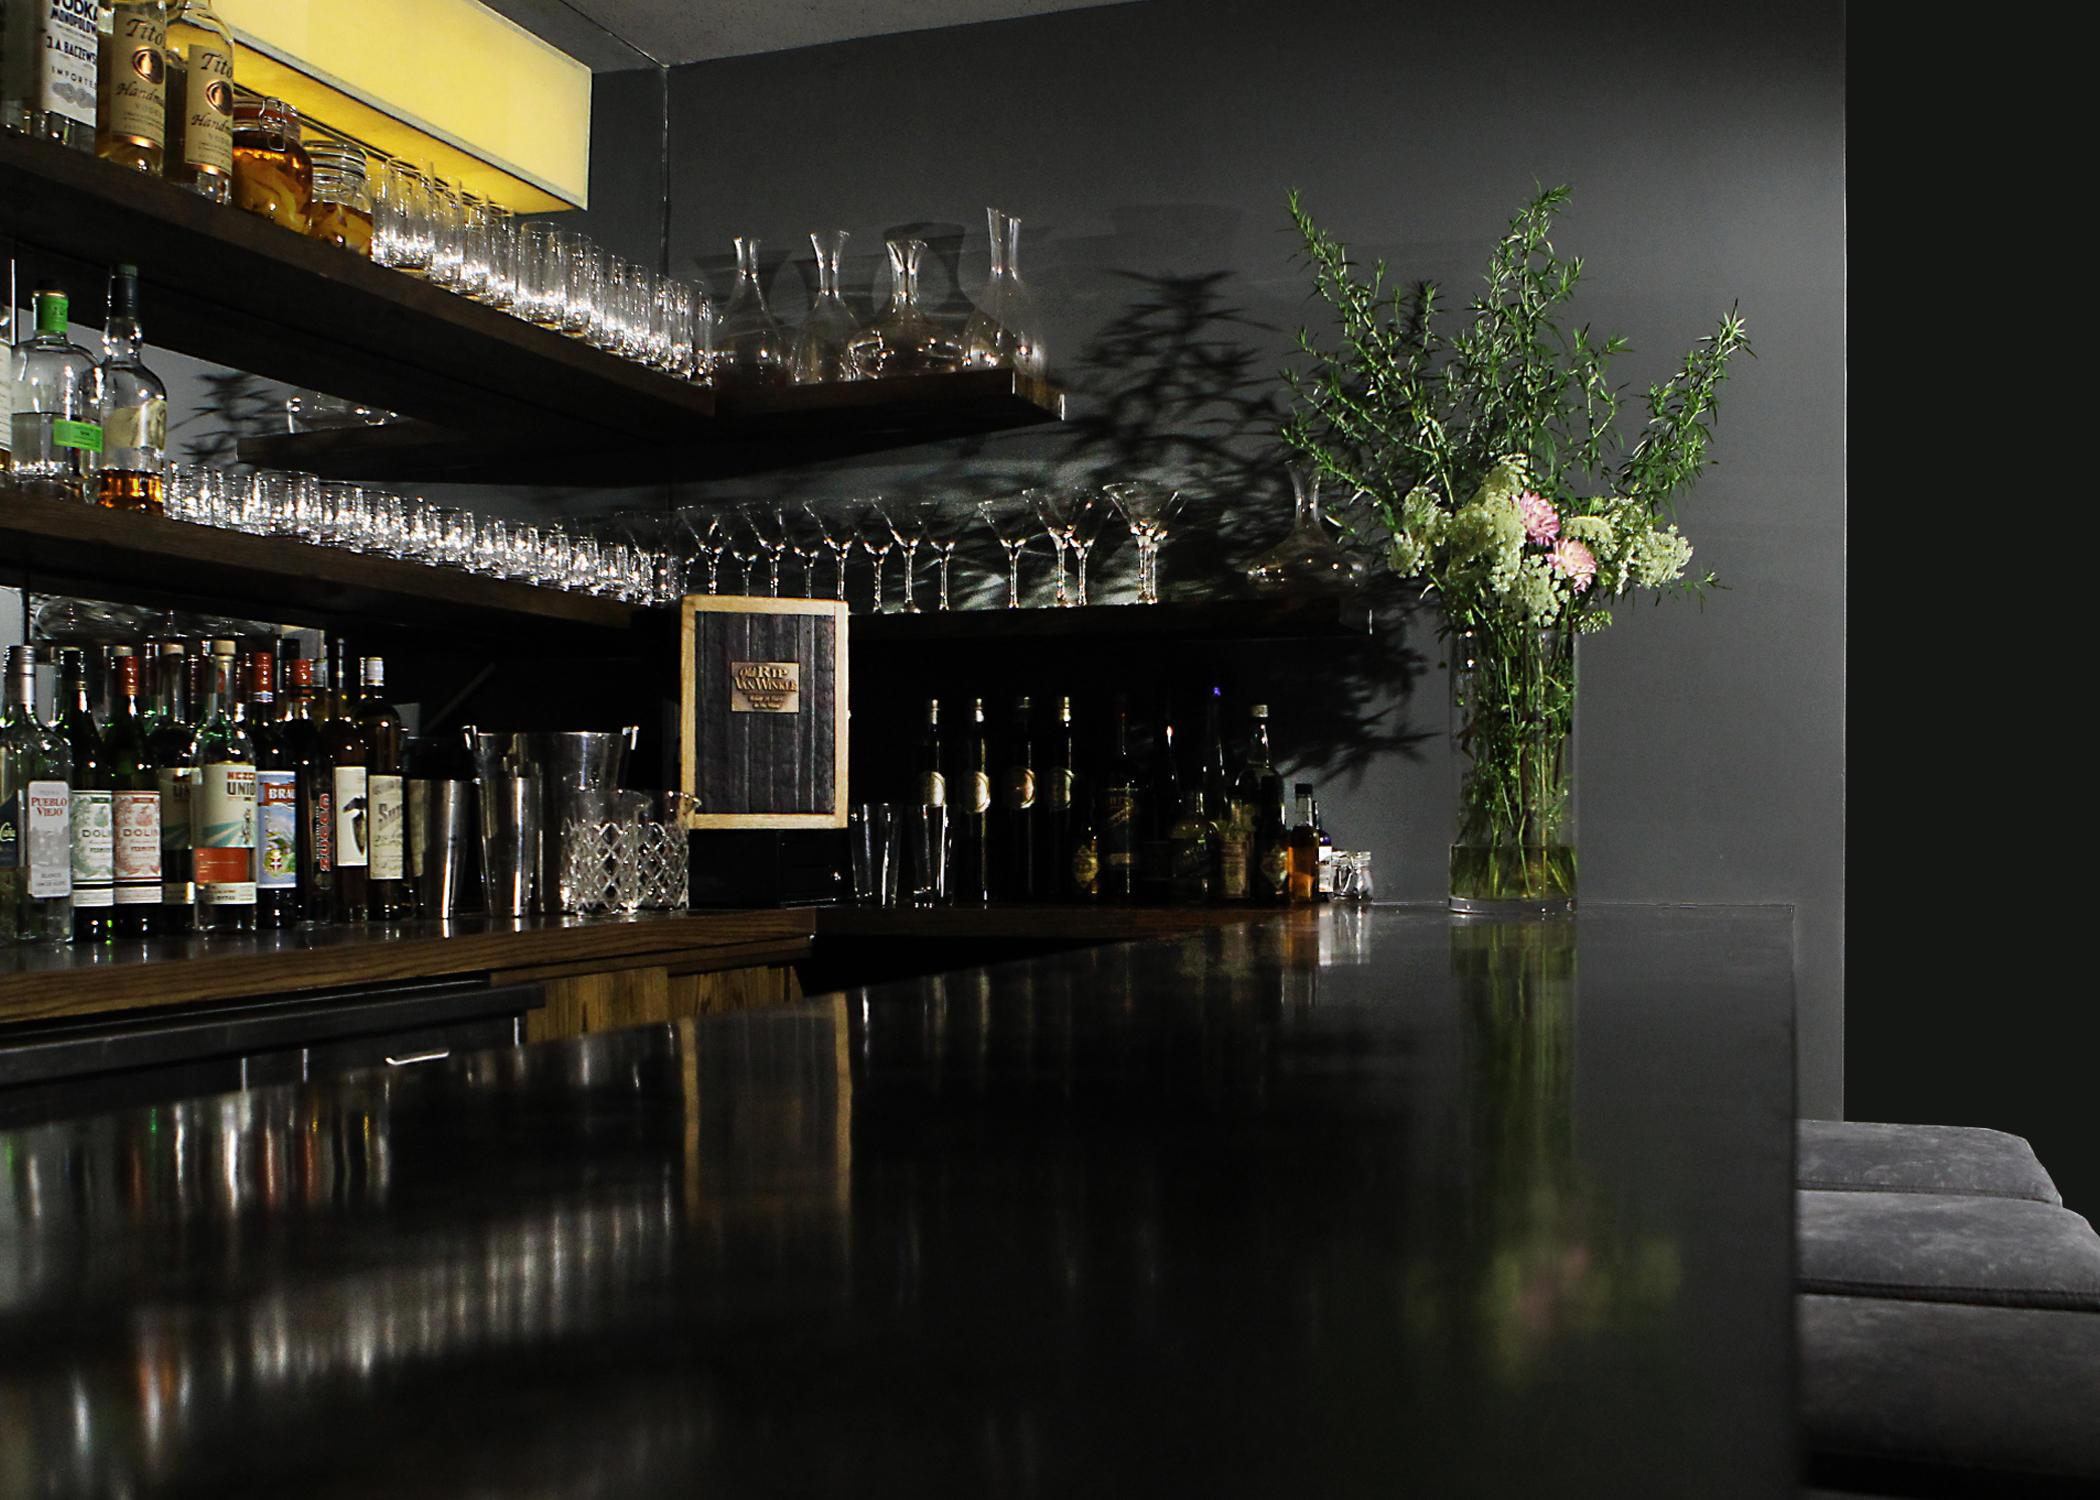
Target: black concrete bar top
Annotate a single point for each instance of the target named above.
(1374, 1202)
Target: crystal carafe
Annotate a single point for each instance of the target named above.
(1309, 560)
(904, 340)
(750, 350)
(1004, 331)
(824, 347)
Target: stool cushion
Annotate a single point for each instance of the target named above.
(1851, 1154)
(2008, 1252)
(1978, 1388)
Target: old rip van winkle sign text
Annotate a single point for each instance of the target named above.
(765, 687)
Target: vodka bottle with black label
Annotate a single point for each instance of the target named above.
(222, 807)
(56, 426)
(135, 789)
(92, 806)
(132, 409)
(35, 812)
(173, 740)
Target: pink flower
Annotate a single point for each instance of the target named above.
(1541, 520)
(1573, 561)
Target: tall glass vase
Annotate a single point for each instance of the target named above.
(1513, 754)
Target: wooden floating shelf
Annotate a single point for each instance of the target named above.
(752, 433)
(492, 399)
(1193, 619)
(58, 547)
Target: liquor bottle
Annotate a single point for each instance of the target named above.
(972, 813)
(1323, 878)
(199, 153)
(131, 127)
(1191, 853)
(222, 808)
(173, 741)
(299, 733)
(1121, 805)
(389, 897)
(50, 59)
(349, 769)
(56, 430)
(1082, 871)
(133, 409)
(1163, 808)
(135, 789)
(1305, 849)
(276, 799)
(92, 806)
(33, 787)
(928, 775)
(1232, 822)
(1057, 786)
(1269, 874)
(1017, 803)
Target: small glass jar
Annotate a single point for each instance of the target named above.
(342, 208)
(272, 174)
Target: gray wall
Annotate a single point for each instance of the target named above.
(1157, 141)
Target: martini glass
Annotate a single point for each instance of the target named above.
(806, 539)
(1072, 514)
(769, 531)
(943, 523)
(1146, 507)
(908, 525)
(835, 519)
(704, 528)
(1013, 520)
(871, 523)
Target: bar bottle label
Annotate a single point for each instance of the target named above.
(94, 848)
(933, 789)
(1020, 787)
(175, 785)
(1119, 841)
(50, 839)
(207, 139)
(137, 853)
(11, 833)
(980, 790)
(389, 823)
(321, 823)
(352, 828)
(138, 73)
(71, 45)
(277, 830)
(225, 853)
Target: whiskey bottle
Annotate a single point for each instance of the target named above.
(1191, 853)
(223, 807)
(92, 806)
(972, 882)
(1231, 835)
(173, 741)
(56, 427)
(276, 799)
(1117, 821)
(314, 784)
(135, 795)
(49, 61)
(389, 895)
(1081, 878)
(1017, 806)
(131, 84)
(199, 152)
(928, 775)
(133, 406)
(1305, 849)
(1055, 804)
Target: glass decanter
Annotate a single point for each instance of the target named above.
(1004, 331)
(1309, 560)
(904, 340)
(824, 347)
(750, 350)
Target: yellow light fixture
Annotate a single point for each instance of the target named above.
(485, 102)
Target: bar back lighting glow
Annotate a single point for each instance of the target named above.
(449, 82)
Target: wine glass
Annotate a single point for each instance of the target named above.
(871, 523)
(1013, 520)
(1067, 511)
(1145, 507)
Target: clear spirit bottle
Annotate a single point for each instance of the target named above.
(131, 128)
(56, 428)
(199, 153)
(50, 59)
(133, 410)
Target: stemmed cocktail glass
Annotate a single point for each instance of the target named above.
(807, 540)
(769, 531)
(908, 520)
(835, 518)
(1146, 507)
(871, 523)
(942, 522)
(708, 529)
(1013, 520)
(1072, 514)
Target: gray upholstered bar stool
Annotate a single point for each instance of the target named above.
(1852, 1156)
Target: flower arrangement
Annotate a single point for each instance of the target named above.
(1494, 460)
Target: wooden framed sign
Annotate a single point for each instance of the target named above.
(762, 717)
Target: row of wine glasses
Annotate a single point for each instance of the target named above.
(330, 513)
(753, 350)
(764, 543)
